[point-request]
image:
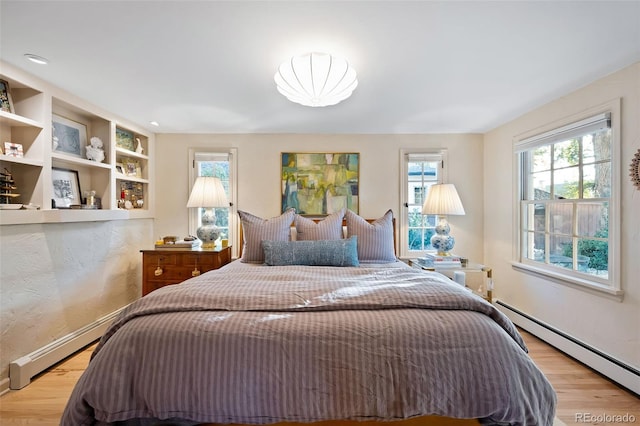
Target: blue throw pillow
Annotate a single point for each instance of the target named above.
(311, 253)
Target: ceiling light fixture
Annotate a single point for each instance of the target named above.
(154, 123)
(36, 59)
(316, 79)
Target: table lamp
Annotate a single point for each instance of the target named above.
(208, 193)
(442, 200)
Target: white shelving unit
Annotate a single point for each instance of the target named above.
(30, 124)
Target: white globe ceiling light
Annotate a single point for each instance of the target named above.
(316, 79)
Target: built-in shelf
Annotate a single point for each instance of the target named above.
(36, 104)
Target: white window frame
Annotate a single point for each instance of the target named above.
(407, 155)
(555, 132)
(232, 155)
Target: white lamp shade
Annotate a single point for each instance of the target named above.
(208, 192)
(443, 199)
(316, 79)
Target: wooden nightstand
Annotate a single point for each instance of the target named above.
(172, 266)
(482, 286)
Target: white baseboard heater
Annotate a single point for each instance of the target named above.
(23, 369)
(624, 374)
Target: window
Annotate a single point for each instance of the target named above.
(419, 171)
(568, 206)
(222, 166)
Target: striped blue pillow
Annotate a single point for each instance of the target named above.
(329, 228)
(311, 253)
(375, 239)
(255, 229)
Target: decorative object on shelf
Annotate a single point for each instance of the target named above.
(54, 139)
(6, 102)
(71, 135)
(316, 79)
(124, 139)
(442, 200)
(120, 168)
(132, 167)
(7, 186)
(66, 188)
(634, 168)
(139, 148)
(320, 183)
(208, 193)
(131, 195)
(13, 150)
(94, 150)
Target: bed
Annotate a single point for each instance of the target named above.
(261, 342)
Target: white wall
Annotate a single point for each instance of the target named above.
(609, 325)
(259, 175)
(57, 278)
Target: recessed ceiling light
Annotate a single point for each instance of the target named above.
(154, 123)
(36, 59)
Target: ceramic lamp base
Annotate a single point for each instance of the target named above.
(442, 241)
(208, 233)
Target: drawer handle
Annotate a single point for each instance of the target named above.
(195, 272)
(158, 271)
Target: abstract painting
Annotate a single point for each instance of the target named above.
(317, 184)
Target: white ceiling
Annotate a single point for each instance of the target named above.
(423, 66)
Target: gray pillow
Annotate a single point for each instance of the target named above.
(375, 239)
(255, 229)
(329, 228)
(312, 252)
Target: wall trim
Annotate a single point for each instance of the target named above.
(23, 369)
(613, 368)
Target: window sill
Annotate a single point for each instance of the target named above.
(574, 282)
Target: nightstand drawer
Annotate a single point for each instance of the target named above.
(160, 259)
(176, 266)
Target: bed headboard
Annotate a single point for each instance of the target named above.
(344, 225)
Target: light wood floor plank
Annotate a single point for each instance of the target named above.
(579, 390)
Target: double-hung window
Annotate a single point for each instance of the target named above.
(568, 209)
(220, 164)
(419, 171)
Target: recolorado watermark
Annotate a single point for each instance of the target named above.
(604, 418)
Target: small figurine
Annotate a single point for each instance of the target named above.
(139, 148)
(94, 150)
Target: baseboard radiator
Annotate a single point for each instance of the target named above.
(23, 369)
(623, 374)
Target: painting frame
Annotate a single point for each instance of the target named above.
(125, 139)
(65, 185)
(131, 167)
(6, 101)
(317, 184)
(71, 135)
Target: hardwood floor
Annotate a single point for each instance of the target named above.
(580, 391)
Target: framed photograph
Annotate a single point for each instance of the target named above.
(125, 139)
(6, 102)
(66, 187)
(13, 149)
(72, 136)
(317, 184)
(132, 167)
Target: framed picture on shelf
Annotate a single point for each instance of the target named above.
(124, 139)
(13, 150)
(6, 102)
(66, 187)
(71, 136)
(132, 167)
(317, 184)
